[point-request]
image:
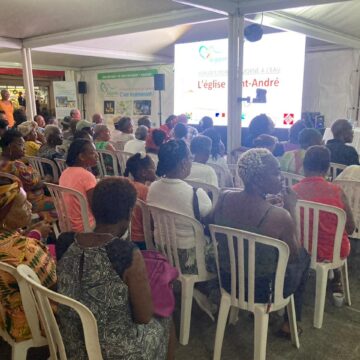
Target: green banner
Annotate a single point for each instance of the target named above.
(127, 74)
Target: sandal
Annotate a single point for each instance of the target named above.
(287, 335)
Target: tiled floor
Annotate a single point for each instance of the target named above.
(339, 338)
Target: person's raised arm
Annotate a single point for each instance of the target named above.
(135, 277)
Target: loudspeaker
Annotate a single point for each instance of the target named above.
(253, 32)
(159, 82)
(82, 87)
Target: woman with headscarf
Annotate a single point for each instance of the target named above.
(17, 248)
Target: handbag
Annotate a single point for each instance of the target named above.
(161, 275)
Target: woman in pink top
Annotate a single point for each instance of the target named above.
(315, 188)
(81, 156)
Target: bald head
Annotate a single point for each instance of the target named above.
(97, 118)
(342, 130)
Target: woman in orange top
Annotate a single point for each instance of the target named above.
(142, 170)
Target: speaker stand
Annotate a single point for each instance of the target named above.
(160, 113)
(83, 106)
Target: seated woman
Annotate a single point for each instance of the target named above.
(248, 210)
(218, 158)
(102, 138)
(81, 157)
(53, 138)
(28, 130)
(315, 188)
(200, 148)
(155, 138)
(17, 248)
(123, 131)
(294, 131)
(12, 144)
(141, 169)
(138, 144)
(107, 274)
(173, 193)
(292, 161)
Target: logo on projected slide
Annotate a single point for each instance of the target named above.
(220, 114)
(211, 54)
(288, 119)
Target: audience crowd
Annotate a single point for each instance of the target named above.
(103, 266)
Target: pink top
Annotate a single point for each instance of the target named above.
(317, 189)
(82, 180)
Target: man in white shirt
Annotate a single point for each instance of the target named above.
(200, 148)
(138, 144)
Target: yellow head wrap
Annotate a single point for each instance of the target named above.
(8, 193)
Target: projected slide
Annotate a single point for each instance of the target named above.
(272, 79)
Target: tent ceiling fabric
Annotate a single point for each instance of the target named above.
(68, 21)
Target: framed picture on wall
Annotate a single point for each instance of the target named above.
(109, 107)
(142, 107)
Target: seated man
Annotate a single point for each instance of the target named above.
(340, 152)
(200, 148)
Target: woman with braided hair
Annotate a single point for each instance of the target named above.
(141, 169)
(250, 211)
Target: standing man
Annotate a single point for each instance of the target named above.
(75, 114)
(21, 100)
(7, 106)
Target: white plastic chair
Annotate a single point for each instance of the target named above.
(224, 177)
(103, 156)
(123, 157)
(58, 194)
(61, 164)
(166, 241)
(209, 189)
(236, 298)
(291, 179)
(352, 192)
(42, 295)
(19, 349)
(311, 210)
(146, 219)
(238, 183)
(118, 145)
(40, 165)
(335, 170)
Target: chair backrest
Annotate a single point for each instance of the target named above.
(58, 194)
(352, 192)
(241, 248)
(211, 190)
(61, 163)
(166, 237)
(123, 157)
(335, 170)
(238, 183)
(104, 156)
(118, 145)
(28, 303)
(146, 219)
(42, 164)
(308, 212)
(224, 177)
(9, 176)
(291, 179)
(42, 296)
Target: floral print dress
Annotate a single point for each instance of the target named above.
(93, 277)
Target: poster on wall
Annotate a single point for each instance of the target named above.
(127, 93)
(65, 97)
